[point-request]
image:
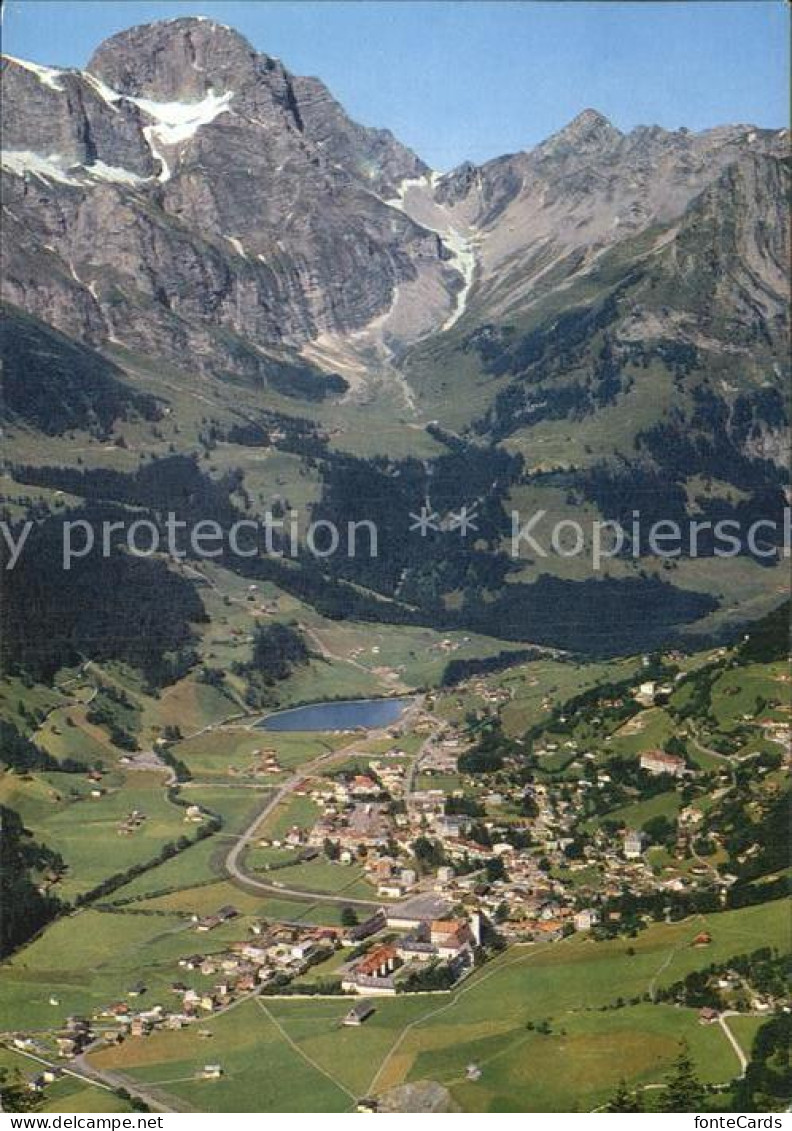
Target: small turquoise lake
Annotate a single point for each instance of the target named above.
(348, 715)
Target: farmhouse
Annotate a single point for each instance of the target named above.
(657, 762)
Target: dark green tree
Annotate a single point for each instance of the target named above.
(684, 1091)
(624, 1100)
(13, 1093)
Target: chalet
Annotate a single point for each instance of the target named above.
(359, 1012)
(549, 929)
(450, 937)
(373, 974)
(645, 695)
(416, 946)
(207, 923)
(453, 826)
(657, 762)
(379, 962)
(391, 889)
(363, 784)
(708, 1016)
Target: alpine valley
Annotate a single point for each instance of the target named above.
(226, 301)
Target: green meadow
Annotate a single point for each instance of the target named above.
(312, 1064)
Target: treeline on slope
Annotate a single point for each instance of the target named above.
(116, 608)
(456, 671)
(54, 384)
(174, 483)
(387, 492)
(766, 1084)
(17, 752)
(290, 376)
(768, 639)
(711, 440)
(595, 617)
(170, 849)
(277, 650)
(566, 368)
(411, 579)
(24, 909)
(765, 969)
(755, 835)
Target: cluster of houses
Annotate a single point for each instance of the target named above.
(131, 822)
(529, 895)
(264, 764)
(207, 983)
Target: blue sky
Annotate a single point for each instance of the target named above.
(473, 80)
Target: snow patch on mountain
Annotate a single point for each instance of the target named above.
(50, 76)
(53, 167)
(179, 121)
(463, 251)
(415, 197)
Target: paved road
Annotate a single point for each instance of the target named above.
(115, 1080)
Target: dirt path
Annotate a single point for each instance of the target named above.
(730, 1037)
(302, 1053)
(472, 982)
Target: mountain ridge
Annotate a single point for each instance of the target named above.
(605, 309)
(125, 122)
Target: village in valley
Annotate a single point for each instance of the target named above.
(397, 862)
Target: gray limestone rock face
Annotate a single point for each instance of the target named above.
(239, 198)
(187, 196)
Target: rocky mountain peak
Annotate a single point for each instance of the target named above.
(588, 131)
(187, 60)
(177, 59)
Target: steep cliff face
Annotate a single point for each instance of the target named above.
(187, 194)
(187, 197)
